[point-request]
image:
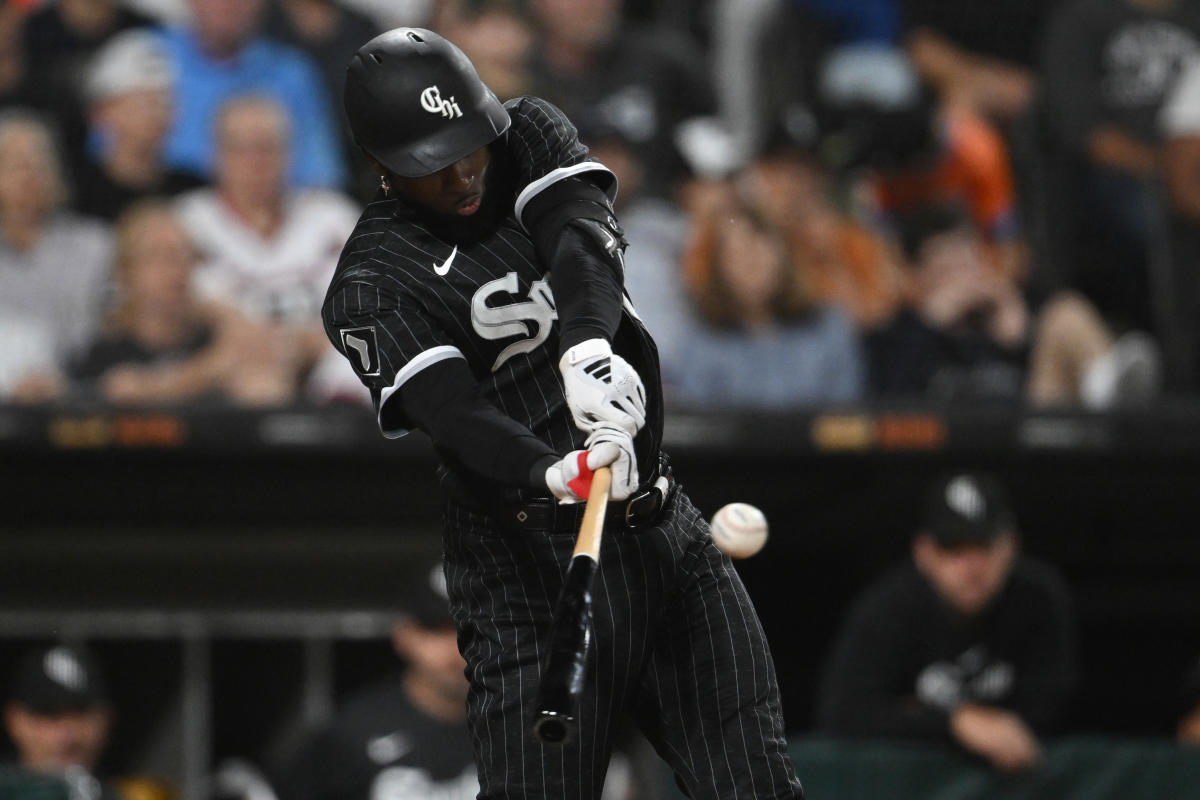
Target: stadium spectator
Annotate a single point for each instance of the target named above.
(222, 56)
(54, 265)
(59, 715)
(498, 37)
(766, 57)
(755, 309)
(982, 56)
(1108, 66)
(266, 250)
(1187, 731)
(404, 738)
(859, 21)
(60, 40)
(329, 32)
(1180, 172)
(128, 91)
(917, 151)
(160, 344)
(966, 333)
(968, 642)
(587, 58)
(845, 264)
(14, 71)
(1180, 127)
(656, 230)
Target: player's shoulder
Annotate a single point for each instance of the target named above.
(381, 241)
(528, 107)
(539, 118)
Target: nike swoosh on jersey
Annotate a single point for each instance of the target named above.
(444, 267)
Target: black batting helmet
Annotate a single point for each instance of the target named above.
(415, 102)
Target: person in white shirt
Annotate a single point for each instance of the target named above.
(266, 249)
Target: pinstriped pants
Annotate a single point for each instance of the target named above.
(678, 647)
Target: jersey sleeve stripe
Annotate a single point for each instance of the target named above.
(415, 365)
(536, 187)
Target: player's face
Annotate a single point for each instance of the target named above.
(456, 190)
(968, 577)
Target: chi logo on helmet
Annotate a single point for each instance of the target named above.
(431, 101)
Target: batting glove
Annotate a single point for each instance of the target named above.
(602, 388)
(607, 438)
(570, 478)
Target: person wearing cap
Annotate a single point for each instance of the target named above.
(58, 713)
(128, 93)
(404, 737)
(968, 642)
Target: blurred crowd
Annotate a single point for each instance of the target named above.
(825, 202)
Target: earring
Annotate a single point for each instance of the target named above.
(384, 185)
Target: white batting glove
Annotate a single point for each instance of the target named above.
(602, 388)
(570, 478)
(607, 438)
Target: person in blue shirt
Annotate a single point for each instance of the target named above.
(220, 55)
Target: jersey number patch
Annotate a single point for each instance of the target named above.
(501, 322)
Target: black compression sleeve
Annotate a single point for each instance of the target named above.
(586, 289)
(444, 401)
(576, 233)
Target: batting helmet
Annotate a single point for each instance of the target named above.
(415, 102)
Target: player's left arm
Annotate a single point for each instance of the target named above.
(565, 204)
(575, 230)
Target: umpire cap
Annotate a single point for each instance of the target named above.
(416, 104)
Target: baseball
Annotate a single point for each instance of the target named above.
(739, 529)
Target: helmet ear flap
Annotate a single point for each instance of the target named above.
(415, 103)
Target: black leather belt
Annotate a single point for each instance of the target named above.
(640, 510)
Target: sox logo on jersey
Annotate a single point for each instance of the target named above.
(500, 322)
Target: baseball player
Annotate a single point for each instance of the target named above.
(480, 300)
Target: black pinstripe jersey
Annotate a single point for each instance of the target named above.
(411, 290)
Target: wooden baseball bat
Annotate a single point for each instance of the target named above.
(565, 670)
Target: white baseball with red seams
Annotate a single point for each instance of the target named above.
(739, 529)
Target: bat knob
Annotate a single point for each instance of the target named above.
(553, 728)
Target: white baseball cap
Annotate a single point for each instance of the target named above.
(131, 61)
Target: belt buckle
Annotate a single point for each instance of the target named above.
(635, 517)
